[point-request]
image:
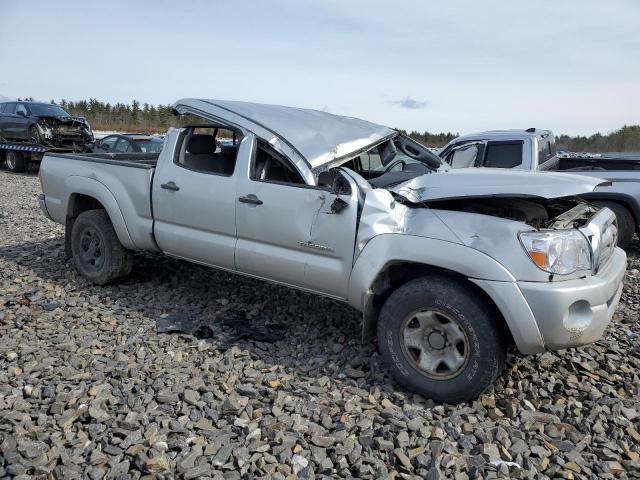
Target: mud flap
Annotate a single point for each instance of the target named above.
(68, 226)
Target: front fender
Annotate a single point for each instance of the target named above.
(488, 274)
(390, 248)
(93, 188)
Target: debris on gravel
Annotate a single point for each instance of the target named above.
(90, 389)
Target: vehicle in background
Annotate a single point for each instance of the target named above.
(534, 150)
(128, 143)
(43, 125)
(448, 266)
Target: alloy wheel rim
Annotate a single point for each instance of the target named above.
(11, 163)
(435, 344)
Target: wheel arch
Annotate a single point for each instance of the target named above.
(88, 194)
(398, 273)
(627, 201)
(391, 260)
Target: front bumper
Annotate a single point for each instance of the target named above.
(554, 315)
(576, 312)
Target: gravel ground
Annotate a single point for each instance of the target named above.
(89, 389)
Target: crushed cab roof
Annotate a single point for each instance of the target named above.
(312, 136)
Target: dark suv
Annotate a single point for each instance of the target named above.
(44, 124)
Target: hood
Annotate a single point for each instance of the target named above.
(315, 137)
(489, 182)
(66, 119)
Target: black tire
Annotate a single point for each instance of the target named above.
(485, 346)
(14, 161)
(97, 253)
(626, 222)
(34, 135)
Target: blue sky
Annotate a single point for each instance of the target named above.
(462, 66)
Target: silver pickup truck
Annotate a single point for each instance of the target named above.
(534, 150)
(448, 266)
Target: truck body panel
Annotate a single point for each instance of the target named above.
(281, 222)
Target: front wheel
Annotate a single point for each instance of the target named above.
(96, 250)
(440, 340)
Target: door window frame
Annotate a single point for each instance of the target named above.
(181, 145)
(502, 142)
(23, 105)
(123, 140)
(258, 143)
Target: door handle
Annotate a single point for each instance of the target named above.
(170, 186)
(251, 199)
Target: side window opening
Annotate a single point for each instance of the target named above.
(22, 109)
(464, 157)
(109, 142)
(123, 146)
(209, 150)
(269, 166)
(503, 155)
(546, 149)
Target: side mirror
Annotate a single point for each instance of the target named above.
(326, 179)
(22, 113)
(334, 182)
(341, 185)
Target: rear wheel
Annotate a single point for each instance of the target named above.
(15, 161)
(625, 220)
(440, 340)
(97, 252)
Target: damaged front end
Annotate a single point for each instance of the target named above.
(565, 235)
(535, 225)
(64, 133)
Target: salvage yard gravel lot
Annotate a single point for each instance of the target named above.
(90, 389)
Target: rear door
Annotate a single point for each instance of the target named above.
(287, 230)
(194, 204)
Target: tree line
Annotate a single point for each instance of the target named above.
(144, 117)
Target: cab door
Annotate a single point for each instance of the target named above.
(194, 202)
(291, 232)
(20, 124)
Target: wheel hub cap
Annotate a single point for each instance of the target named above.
(437, 340)
(91, 249)
(435, 343)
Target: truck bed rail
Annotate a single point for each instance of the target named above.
(135, 160)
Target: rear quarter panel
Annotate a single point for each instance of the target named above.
(124, 191)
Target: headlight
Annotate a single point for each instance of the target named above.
(562, 252)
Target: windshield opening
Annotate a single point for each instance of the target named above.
(47, 110)
(394, 161)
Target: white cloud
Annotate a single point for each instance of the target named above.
(410, 103)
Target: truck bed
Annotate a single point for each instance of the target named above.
(121, 183)
(135, 160)
(604, 161)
